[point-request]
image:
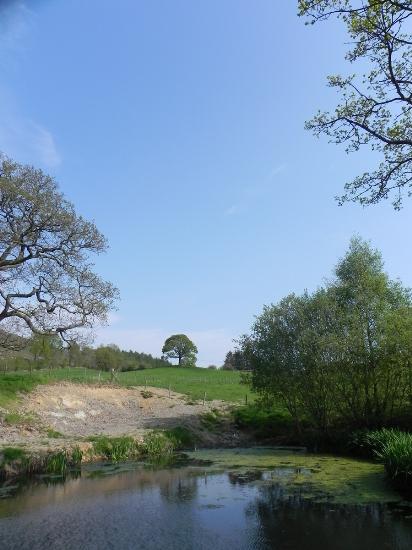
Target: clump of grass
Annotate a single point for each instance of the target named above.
(181, 437)
(116, 449)
(61, 461)
(17, 419)
(146, 394)
(77, 456)
(12, 453)
(54, 434)
(211, 420)
(158, 445)
(394, 449)
(58, 462)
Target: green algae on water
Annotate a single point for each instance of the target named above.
(321, 478)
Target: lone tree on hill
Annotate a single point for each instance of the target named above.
(179, 346)
(47, 284)
(375, 107)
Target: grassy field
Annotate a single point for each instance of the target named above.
(194, 382)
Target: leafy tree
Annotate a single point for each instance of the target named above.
(180, 347)
(375, 108)
(341, 354)
(234, 360)
(46, 350)
(47, 285)
(107, 358)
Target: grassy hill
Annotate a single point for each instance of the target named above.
(194, 382)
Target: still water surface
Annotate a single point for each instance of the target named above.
(275, 500)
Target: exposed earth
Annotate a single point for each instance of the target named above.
(80, 411)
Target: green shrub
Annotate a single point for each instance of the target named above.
(181, 437)
(211, 420)
(264, 422)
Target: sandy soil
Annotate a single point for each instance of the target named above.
(78, 411)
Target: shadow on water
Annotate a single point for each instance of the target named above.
(204, 506)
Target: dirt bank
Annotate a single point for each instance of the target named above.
(80, 411)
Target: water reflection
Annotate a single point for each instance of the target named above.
(191, 508)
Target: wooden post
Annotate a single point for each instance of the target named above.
(246, 399)
(145, 384)
(169, 390)
(204, 398)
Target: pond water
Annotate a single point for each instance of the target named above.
(243, 499)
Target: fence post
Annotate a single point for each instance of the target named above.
(204, 398)
(169, 390)
(246, 399)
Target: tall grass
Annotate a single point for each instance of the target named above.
(116, 449)
(393, 448)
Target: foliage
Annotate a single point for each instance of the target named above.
(146, 394)
(393, 448)
(395, 452)
(180, 347)
(235, 360)
(181, 437)
(47, 284)
(211, 420)
(116, 449)
(157, 445)
(341, 355)
(107, 357)
(375, 108)
(12, 453)
(263, 421)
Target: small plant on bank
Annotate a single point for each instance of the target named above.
(146, 394)
(54, 434)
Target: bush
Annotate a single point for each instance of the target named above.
(181, 437)
(264, 422)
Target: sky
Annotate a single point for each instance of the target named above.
(178, 127)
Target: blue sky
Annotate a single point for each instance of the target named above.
(179, 128)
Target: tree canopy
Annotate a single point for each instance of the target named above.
(180, 347)
(341, 354)
(375, 108)
(47, 282)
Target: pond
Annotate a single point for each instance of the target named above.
(245, 499)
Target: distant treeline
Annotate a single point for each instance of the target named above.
(47, 352)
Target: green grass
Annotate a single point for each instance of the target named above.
(12, 453)
(116, 449)
(13, 384)
(193, 382)
(18, 419)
